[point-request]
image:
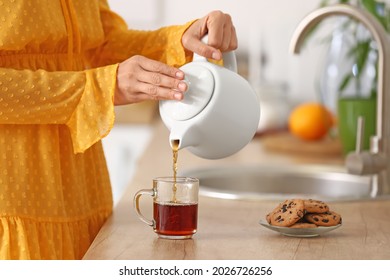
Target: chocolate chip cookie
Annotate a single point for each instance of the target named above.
(287, 213)
(315, 206)
(328, 219)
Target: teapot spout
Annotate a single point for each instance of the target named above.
(183, 137)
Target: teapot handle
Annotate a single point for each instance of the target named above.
(229, 58)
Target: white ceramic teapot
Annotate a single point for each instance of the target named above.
(219, 113)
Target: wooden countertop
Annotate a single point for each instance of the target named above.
(229, 229)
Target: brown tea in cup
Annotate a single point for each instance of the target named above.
(175, 219)
(172, 219)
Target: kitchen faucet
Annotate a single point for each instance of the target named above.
(375, 162)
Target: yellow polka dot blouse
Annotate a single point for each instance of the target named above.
(58, 63)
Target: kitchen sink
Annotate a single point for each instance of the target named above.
(267, 182)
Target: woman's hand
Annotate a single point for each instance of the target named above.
(221, 35)
(140, 79)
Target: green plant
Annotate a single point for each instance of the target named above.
(360, 51)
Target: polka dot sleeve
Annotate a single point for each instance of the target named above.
(94, 116)
(81, 100)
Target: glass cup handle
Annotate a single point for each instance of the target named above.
(137, 208)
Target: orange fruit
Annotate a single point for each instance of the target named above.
(310, 121)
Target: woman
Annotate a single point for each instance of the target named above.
(64, 64)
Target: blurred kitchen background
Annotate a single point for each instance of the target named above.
(264, 29)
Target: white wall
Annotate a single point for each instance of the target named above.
(269, 22)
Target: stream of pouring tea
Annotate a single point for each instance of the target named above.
(175, 150)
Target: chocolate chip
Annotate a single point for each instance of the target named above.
(279, 219)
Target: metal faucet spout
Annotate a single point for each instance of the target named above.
(380, 142)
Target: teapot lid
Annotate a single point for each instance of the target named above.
(200, 88)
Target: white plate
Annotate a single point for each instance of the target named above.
(299, 232)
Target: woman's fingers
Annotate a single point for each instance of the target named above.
(221, 35)
(161, 80)
(155, 92)
(158, 67)
(140, 79)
